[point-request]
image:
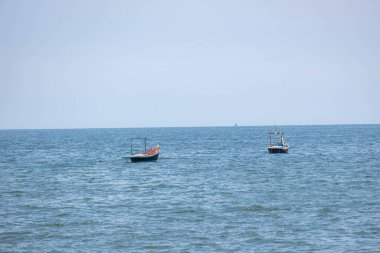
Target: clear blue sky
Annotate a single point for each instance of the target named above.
(79, 64)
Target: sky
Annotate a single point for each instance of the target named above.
(101, 64)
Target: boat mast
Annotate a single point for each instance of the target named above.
(270, 139)
(131, 145)
(275, 127)
(145, 144)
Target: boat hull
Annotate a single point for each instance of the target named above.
(275, 150)
(151, 158)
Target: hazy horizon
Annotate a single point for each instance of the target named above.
(141, 64)
(157, 127)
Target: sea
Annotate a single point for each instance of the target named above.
(213, 189)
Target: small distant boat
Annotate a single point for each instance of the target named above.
(148, 155)
(280, 146)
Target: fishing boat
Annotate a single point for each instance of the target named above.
(149, 154)
(280, 146)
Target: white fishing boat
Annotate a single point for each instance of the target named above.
(280, 146)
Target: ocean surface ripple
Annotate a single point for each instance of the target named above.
(212, 190)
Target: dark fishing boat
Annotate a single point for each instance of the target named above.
(148, 155)
(280, 146)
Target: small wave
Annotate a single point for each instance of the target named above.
(326, 209)
(15, 193)
(62, 224)
(160, 247)
(259, 208)
(63, 214)
(185, 211)
(15, 234)
(31, 206)
(55, 224)
(166, 158)
(199, 238)
(255, 238)
(375, 249)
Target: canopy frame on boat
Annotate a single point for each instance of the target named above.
(148, 154)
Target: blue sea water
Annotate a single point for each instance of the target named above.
(211, 190)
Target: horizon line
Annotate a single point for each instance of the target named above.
(141, 127)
